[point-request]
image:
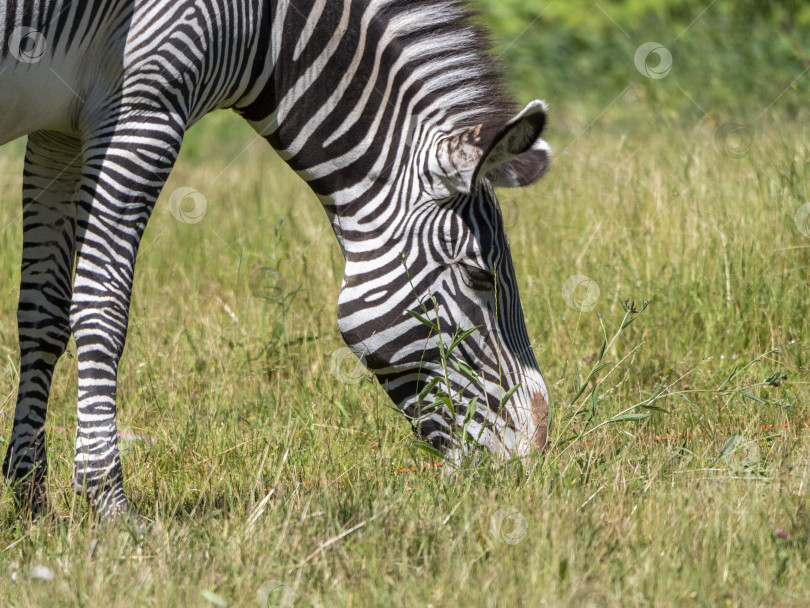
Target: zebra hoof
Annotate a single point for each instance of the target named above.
(120, 513)
(31, 501)
(30, 496)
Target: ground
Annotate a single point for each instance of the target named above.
(677, 474)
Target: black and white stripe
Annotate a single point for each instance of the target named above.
(389, 109)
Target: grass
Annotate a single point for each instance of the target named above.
(701, 498)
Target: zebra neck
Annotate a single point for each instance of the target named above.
(350, 93)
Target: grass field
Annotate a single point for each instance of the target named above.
(698, 497)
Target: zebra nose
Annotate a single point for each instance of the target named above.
(539, 409)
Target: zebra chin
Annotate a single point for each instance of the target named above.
(518, 429)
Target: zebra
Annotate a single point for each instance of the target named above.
(392, 111)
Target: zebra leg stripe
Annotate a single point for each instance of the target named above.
(51, 178)
(126, 169)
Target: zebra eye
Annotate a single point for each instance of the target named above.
(477, 278)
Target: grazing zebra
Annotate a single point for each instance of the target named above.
(391, 111)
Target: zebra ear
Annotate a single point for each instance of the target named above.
(518, 156)
(508, 155)
(524, 169)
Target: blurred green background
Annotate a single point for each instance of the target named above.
(731, 60)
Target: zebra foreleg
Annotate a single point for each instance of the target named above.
(50, 181)
(127, 167)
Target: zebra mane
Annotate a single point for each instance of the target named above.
(441, 38)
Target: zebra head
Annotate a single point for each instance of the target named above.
(430, 301)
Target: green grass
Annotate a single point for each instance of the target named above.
(227, 366)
